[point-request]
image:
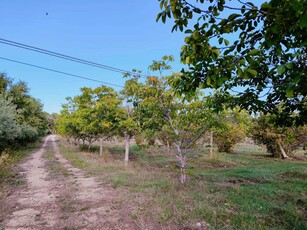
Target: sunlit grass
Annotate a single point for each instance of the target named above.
(245, 190)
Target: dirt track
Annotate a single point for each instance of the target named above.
(62, 199)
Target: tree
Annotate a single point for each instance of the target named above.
(180, 123)
(5, 82)
(127, 126)
(259, 49)
(91, 115)
(232, 128)
(66, 124)
(9, 127)
(279, 141)
(187, 124)
(22, 117)
(130, 117)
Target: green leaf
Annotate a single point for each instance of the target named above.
(245, 75)
(226, 42)
(197, 10)
(187, 60)
(208, 81)
(220, 6)
(216, 51)
(233, 16)
(265, 6)
(163, 16)
(242, 61)
(243, 9)
(254, 52)
(289, 92)
(158, 17)
(220, 40)
(281, 69)
(252, 72)
(289, 65)
(219, 82)
(223, 22)
(303, 21)
(296, 80)
(249, 59)
(240, 73)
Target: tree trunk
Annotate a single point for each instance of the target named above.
(127, 145)
(211, 145)
(168, 147)
(100, 146)
(182, 160)
(89, 144)
(76, 141)
(283, 153)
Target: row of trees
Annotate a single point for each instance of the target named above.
(150, 110)
(22, 119)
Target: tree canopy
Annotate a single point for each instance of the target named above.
(22, 119)
(256, 52)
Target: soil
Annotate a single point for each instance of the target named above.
(61, 199)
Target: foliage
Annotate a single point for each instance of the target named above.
(178, 123)
(22, 119)
(232, 129)
(275, 138)
(90, 115)
(261, 49)
(9, 127)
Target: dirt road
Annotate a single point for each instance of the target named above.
(59, 196)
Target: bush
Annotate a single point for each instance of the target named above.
(225, 139)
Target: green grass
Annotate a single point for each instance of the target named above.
(246, 190)
(75, 159)
(56, 169)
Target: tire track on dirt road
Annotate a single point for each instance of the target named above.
(96, 206)
(60, 196)
(34, 207)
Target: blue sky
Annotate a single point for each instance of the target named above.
(122, 34)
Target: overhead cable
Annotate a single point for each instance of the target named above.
(60, 72)
(67, 57)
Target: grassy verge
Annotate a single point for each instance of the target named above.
(7, 162)
(246, 190)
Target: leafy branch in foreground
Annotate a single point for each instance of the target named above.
(234, 44)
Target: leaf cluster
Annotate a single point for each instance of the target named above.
(261, 49)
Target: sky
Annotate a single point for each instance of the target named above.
(121, 34)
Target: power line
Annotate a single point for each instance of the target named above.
(67, 57)
(60, 72)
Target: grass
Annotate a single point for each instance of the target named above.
(56, 169)
(246, 190)
(8, 176)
